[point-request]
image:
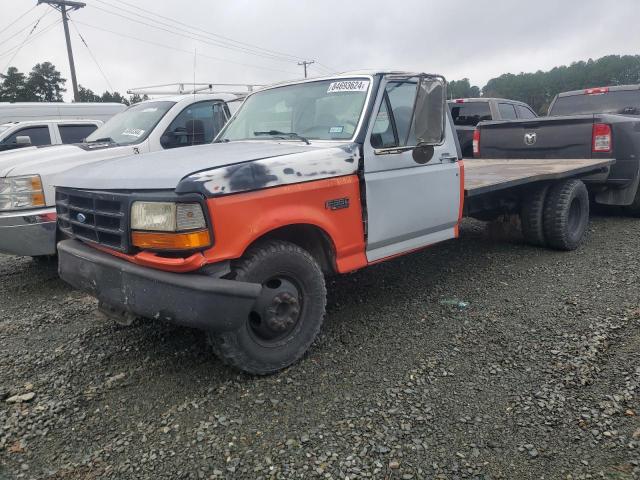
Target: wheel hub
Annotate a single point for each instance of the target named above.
(277, 310)
(283, 312)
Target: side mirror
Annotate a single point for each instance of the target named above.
(430, 111)
(429, 117)
(23, 140)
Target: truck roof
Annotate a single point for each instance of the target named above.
(227, 97)
(485, 99)
(336, 76)
(586, 91)
(59, 104)
(57, 120)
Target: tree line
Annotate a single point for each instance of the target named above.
(538, 89)
(44, 83)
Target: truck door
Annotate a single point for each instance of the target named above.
(412, 200)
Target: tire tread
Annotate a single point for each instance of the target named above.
(224, 345)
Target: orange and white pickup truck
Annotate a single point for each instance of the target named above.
(308, 178)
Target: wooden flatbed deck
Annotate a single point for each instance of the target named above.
(490, 175)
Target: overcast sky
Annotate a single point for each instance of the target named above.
(478, 39)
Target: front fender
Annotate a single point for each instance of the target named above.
(241, 219)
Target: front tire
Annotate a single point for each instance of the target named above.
(286, 317)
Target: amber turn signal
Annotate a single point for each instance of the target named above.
(171, 241)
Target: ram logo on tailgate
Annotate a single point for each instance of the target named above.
(530, 138)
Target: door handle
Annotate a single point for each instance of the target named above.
(448, 159)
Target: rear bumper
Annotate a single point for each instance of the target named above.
(29, 233)
(193, 300)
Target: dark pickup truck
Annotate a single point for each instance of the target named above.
(593, 123)
(467, 112)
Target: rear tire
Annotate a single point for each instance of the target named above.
(634, 208)
(532, 215)
(566, 214)
(287, 315)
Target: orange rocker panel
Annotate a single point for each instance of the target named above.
(242, 218)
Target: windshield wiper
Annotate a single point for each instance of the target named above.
(103, 139)
(278, 133)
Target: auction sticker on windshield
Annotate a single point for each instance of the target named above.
(349, 86)
(133, 132)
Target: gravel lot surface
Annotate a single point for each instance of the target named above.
(538, 377)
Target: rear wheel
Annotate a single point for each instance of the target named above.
(531, 216)
(634, 208)
(566, 214)
(287, 315)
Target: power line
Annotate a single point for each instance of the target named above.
(190, 35)
(27, 39)
(37, 35)
(18, 19)
(92, 56)
(201, 55)
(26, 27)
(227, 39)
(328, 69)
(40, 33)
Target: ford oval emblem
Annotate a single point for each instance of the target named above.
(81, 217)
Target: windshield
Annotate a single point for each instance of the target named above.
(626, 102)
(133, 125)
(469, 114)
(322, 110)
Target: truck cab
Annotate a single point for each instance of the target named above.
(308, 178)
(27, 198)
(468, 112)
(39, 133)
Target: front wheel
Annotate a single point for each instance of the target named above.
(287, 315)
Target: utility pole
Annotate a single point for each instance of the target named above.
(61, 6)
(304, 64)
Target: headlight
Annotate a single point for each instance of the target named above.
(18, 193)
(167, 216)
(169, 226)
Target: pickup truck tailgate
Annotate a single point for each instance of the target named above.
(546, 139)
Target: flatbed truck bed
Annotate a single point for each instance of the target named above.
(484, 176)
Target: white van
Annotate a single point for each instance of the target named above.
(37, 133)
(24, 111)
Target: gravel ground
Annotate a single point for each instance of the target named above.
(537, 377)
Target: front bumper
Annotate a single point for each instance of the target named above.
(30, 232)
(193, 300)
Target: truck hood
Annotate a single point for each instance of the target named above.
(53, 159)
(165, 169)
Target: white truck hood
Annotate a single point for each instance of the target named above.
(165, 169)
(51, 160)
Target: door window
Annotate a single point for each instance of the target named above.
(383, 135)
(38, 135)
(197, 124)
(75, 133)
(393, 126)
(469, 114)
(507, 112)
(524, 112)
